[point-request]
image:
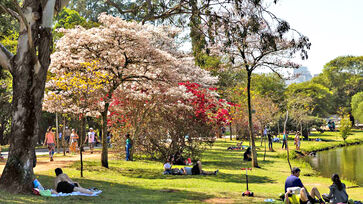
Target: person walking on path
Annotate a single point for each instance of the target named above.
(128, 146)
(284, 140)
(91, 138)
(50, 141)
(73, 141)
(297, 140)
(67, 135)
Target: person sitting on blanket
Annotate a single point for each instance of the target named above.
(196, 170)
(63, 184)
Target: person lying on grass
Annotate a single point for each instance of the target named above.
(196, 170)
(63, 184)
(304, 197)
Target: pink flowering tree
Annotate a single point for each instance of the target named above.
(131, 55)
(181, 120)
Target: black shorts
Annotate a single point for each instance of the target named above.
(65, 187)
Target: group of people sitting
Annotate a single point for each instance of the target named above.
(195, 170)
(296, 192)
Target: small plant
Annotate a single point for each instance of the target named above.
(345, 127)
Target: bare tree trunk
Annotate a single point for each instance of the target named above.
(250, 124)
(63, 135)
(57, 131)
(287, 146)
(82, 135)
(29, 70)
(230, 130)
(104, 156)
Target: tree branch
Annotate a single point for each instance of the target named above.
(27, 26)
(10, 12)
(119, 9)
(5, 57)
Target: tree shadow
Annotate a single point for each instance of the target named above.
(112, 193)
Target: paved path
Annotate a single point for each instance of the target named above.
(44, 151)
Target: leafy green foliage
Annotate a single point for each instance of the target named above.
(10, 41)
(344, 78)
(320, 95)
(345, 127)
(68, 19)
(357, 106)
(269, 85)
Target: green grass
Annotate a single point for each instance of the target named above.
(142, 181)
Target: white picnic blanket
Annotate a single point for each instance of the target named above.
(95, 193)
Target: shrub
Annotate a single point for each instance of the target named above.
(345, 127)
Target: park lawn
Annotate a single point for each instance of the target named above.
(142, 181)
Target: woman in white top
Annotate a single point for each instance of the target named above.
(73, 141)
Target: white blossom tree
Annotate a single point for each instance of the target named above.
(129, 54)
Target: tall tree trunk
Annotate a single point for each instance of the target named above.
(104, 156)
(250, 124)
(82, 135)
(63, 135)
(29, 70)
(287, 141)
(28, 89)
(230, 130)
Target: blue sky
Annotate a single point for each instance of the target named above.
(334, 27)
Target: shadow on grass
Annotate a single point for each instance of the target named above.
(144, 173)
(112, 193)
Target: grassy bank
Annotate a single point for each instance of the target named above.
(142, 181)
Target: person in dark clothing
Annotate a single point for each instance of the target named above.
(269, 136)
(247, 155)
(197, 170)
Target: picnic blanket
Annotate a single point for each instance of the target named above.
(95, 193)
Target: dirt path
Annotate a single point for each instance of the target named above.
(43, 163)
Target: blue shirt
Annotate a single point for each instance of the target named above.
(293, 181)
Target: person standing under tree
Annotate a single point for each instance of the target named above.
(67, 135)
(269, 142)
(50, 141)
(128, 146)
(297, 140)
(284, 140)
(91, 138)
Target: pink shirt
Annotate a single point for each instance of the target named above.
(50, 137)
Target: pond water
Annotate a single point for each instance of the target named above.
(345, 161)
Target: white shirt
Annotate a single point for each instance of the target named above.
(91, 137)
(167, 165)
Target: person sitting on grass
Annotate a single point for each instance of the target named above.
(247, 155)
(337, 193)
(167, 167)
(63, 184)
(294, 181)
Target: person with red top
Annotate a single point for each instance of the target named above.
(50, 141)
